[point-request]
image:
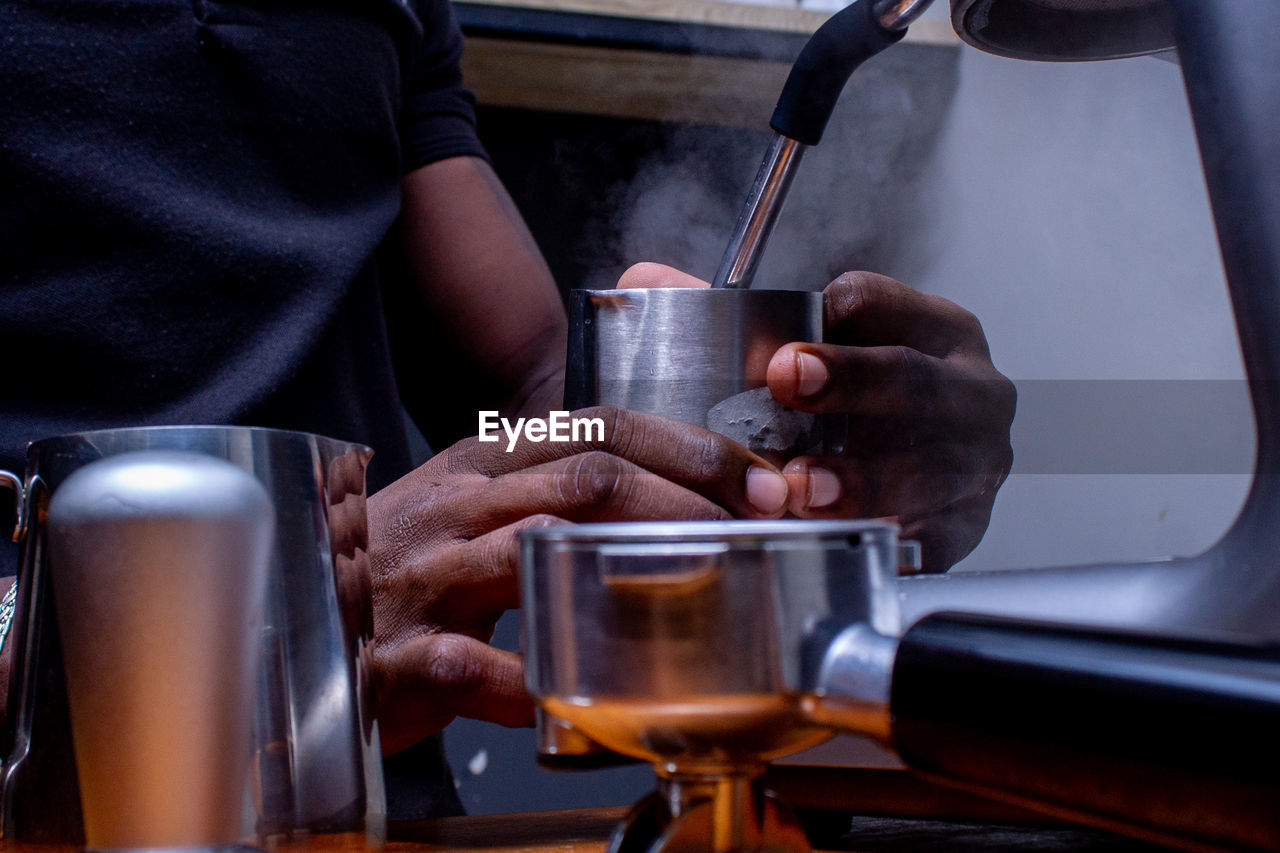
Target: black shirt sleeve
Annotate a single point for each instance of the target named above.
(438, 118)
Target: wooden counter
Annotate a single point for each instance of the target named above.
(576, 831)
(587, 831)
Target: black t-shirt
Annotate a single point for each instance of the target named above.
(191, 195)
(191, 198)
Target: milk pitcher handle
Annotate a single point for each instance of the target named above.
(9, 480)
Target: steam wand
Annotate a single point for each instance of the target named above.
(850, 37)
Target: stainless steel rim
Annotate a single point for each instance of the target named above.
(772, 532)
(638, 294)
(195, 429)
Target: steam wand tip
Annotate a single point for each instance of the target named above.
(768, 192)
(856, 33)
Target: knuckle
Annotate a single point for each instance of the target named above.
(462, 457)
(916, 374)
(501, 551)
(707, 453)
(450, 661)
(542, 519)
(617, 425)
(509, 549)
(982, 397)
(592, 478)
(1000, 469)
(390, 549)
(968, 326)
(850, 294)
(993, 402)
(1006, 402)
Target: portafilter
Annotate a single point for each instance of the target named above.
(683, 644)
(710, 648)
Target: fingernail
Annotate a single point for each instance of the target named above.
(811, 374)
(766, 490)
(824, 488)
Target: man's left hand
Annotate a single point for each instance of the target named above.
(928, 413)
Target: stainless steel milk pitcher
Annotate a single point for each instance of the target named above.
(697, 355)
(316, 756)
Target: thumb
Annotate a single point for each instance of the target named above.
(650, 275)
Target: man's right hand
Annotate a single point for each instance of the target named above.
(444, 551)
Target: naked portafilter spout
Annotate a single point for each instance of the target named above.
(849, 38)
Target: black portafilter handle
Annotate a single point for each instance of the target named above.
(846, 40)
(1177, 741)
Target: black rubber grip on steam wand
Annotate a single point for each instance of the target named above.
(846, 40)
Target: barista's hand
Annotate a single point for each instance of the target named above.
(443, 549)
(929, 414)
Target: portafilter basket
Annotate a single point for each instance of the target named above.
(687, 645)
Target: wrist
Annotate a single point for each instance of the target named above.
(7, 604)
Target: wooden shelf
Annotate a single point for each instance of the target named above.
(623, 83)
(765, 18)
(756, 16)
(701, 61)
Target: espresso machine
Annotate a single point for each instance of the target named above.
(1137, 697)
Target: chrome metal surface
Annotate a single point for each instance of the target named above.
(899, 14)
(684, 353)
(317, 758)
(746, 246)
(158, 561)
(910, 557)
(695, 646)
(687, 814)
(1066, 30)
(657, 535)
(686, 643)
(851, 688)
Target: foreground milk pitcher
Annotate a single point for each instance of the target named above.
(145, 540)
